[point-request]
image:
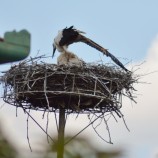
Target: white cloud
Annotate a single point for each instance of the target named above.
(142, 117)
(152, 54)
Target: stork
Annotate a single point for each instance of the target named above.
(66, 57)
(71, 35)
(70, 59)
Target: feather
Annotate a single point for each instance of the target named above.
(101, 49)
(71, 35)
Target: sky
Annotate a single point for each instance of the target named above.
(128, 29)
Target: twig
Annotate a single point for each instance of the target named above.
(107, 127)
(38, 124)
(28, 133)
(45, 90)
(56, 121)
(94, 128)
(47, 126)
(124, 121)
(98, 103)
(82, 130)
(95, 86)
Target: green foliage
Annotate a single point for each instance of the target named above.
(6, 149)
(80, 148)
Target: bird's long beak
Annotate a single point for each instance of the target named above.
(54, 49)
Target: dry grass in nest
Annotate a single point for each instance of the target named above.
(41, 86)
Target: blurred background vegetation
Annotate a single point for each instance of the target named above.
(77, 148)
(7, 150)
(80, 148)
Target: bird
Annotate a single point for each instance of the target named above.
(66, 57)
(70, 35)
(70, 59)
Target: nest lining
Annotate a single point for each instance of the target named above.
(42, 86)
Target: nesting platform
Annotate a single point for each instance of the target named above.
(42, 86)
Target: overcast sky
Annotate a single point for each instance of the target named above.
(128, 29)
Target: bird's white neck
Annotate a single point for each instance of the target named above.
(60, 49)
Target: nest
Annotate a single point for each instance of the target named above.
(41, 86)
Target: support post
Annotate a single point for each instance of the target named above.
(60, 150)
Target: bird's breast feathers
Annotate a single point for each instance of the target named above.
(69, 59)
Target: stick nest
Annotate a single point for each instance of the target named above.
(41, 86)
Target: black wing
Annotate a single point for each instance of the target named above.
(101, 49)
(69, 36)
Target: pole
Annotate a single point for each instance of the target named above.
(60, 149)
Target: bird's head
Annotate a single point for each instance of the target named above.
(54, 49)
